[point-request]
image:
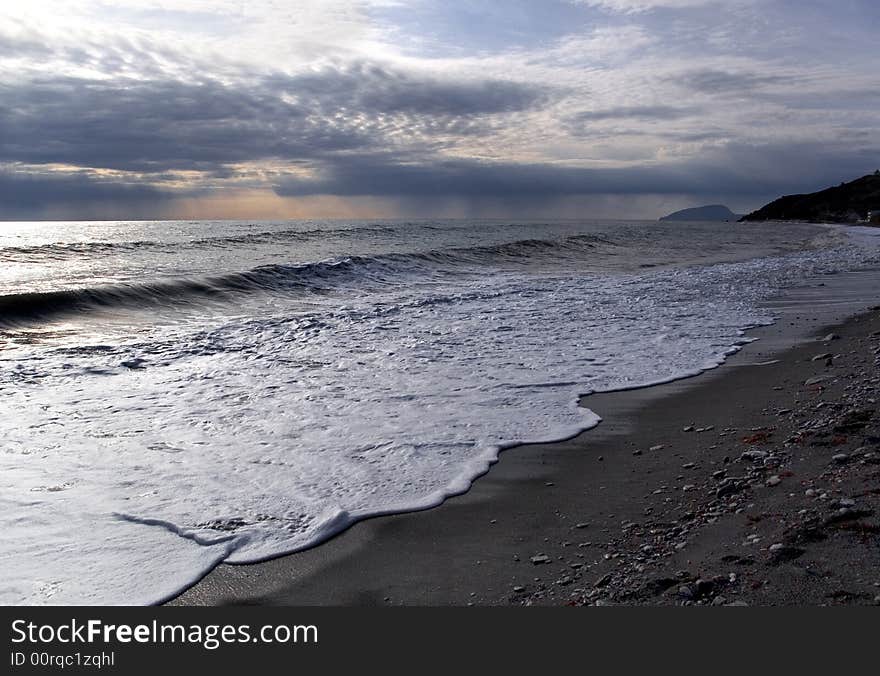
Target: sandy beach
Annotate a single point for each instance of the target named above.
(756, 483)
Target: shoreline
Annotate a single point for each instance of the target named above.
(479, 547)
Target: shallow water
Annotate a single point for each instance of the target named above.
(174, 394)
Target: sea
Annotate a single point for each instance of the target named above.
(177, 394)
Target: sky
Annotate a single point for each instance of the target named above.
(415, 109)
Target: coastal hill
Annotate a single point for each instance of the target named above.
(710, 212)
(858, 200)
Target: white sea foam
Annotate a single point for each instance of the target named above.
(130, 468)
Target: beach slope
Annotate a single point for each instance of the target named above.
(757, 483)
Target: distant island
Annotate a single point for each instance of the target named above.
(710, 212)
(853, 202)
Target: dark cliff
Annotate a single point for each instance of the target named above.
(845, 203)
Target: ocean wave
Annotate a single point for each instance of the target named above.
(305, 278)
(58, 251)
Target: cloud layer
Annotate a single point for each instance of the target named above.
(157, 104)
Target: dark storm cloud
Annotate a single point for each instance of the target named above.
(155, 126)
(373, 176)
(158, 125)
(22, 195)
(372, 89)
(732, 170)
(798, 166)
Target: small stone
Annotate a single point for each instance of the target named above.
(704, 587)
(519, 588)
(603, 581)
(689, 428)
(820, 357)
(816, 380)
(846, 514)
(830, 337)
(773, 481)
(689, 465)
(728, 488)
(582, 525)
(637, 452)
(719, 601)
(780, 552)
(810, 493)
(539, 559)
(658, 447)
(840, 458)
